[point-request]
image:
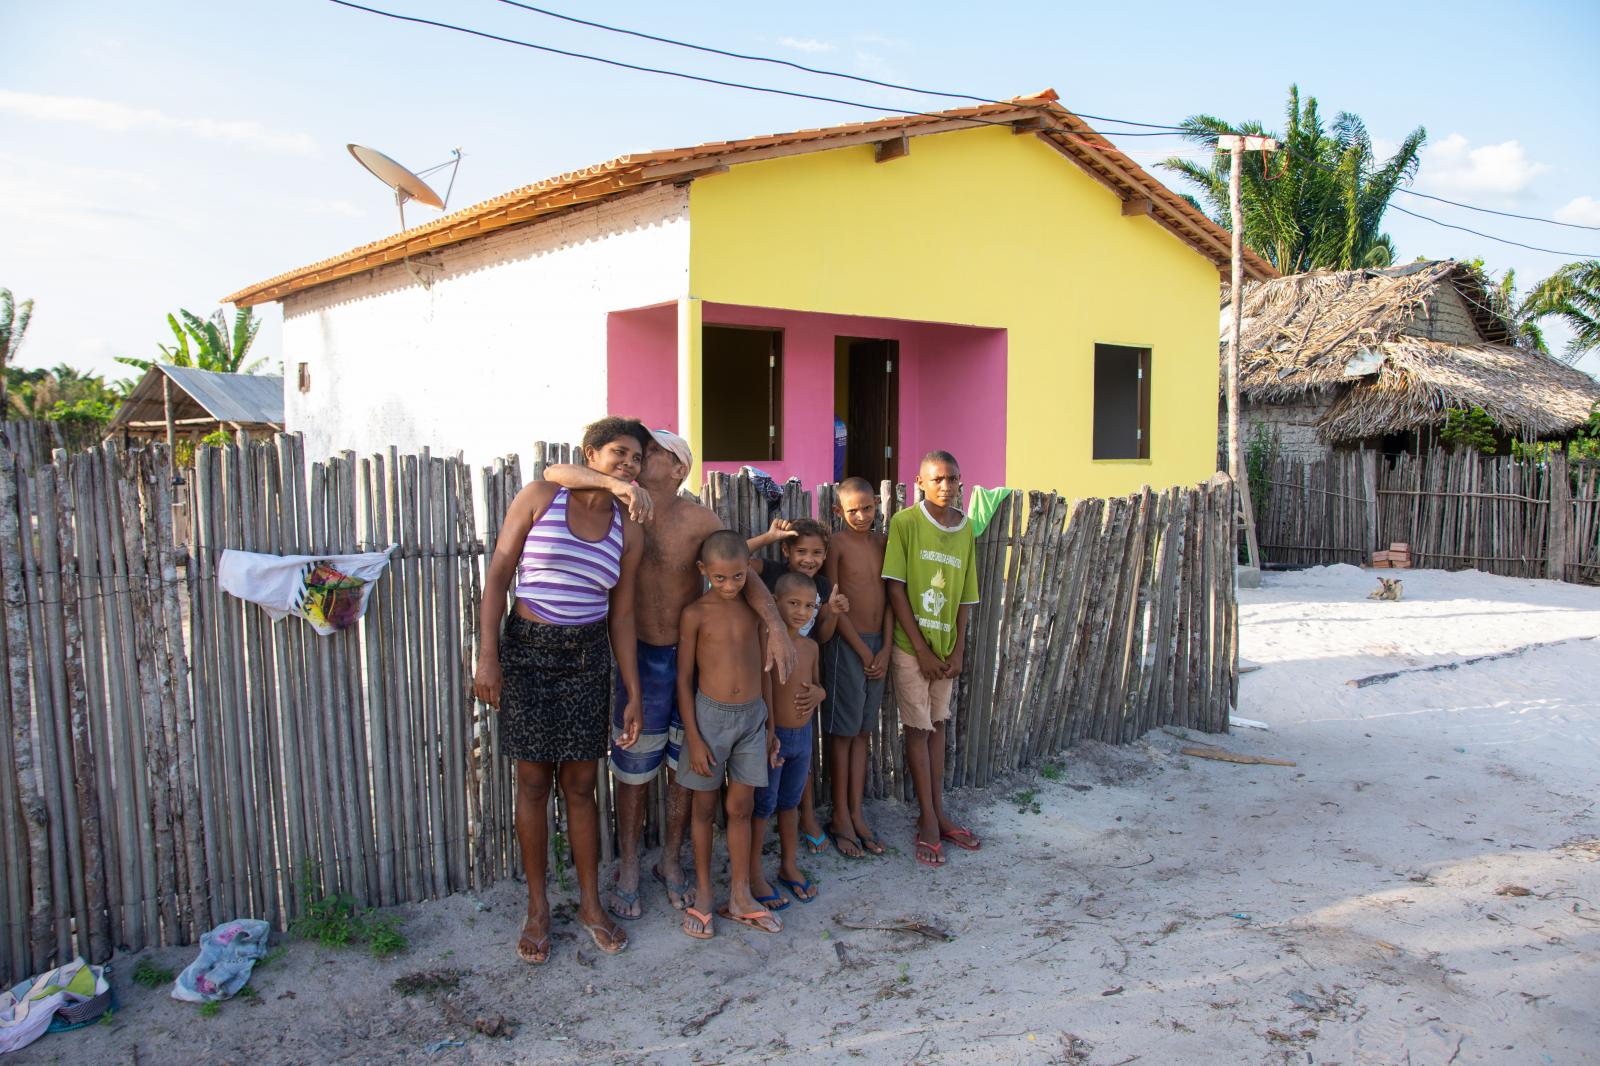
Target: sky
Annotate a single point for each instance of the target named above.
(164, 154)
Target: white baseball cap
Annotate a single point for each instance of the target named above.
(674, 444)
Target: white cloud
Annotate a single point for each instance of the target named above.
(114, 117)
(340, 208)
(805, 44)
(1453, 165)
(1581, 211)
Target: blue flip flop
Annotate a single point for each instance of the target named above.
(774, 902)
(796, 888)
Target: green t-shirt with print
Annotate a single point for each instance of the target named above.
(939, 568)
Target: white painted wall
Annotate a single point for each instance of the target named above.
(505, 347)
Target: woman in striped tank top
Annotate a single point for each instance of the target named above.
(570, 558)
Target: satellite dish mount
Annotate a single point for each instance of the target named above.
(406, 184)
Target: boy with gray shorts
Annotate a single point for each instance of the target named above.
(727, 732)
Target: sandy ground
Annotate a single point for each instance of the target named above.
(1142, 906)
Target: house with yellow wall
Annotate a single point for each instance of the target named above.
(998, 281)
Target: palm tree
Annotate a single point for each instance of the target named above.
(1319, 203)
(1572, 294)
(207, 343)
(14, 319)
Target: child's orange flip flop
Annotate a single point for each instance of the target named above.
(697, 924)
(930, 854)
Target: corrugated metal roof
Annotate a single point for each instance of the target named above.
(244, 399)
(231, 397)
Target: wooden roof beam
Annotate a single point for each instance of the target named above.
(1135, 206)
(885, 151)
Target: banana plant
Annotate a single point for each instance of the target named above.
(207, 343)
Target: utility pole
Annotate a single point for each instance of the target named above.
(1236, 146)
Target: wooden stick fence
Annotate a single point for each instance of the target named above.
(170, 757)
(1457, 510)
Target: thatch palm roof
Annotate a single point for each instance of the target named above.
(1354, 335)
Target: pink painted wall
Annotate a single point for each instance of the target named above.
(642, 365)
(952, 385)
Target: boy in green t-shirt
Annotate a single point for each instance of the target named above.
(931, 568)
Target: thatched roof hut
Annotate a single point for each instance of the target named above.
(1360, 354)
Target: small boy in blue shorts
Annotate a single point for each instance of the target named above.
(793, 703)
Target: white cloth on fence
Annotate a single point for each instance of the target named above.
(328, 591)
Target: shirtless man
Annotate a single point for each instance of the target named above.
(668, 581)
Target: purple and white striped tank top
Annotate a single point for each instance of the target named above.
(563, 578)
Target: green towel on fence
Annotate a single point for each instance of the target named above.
(982, 506)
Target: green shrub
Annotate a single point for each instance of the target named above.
(148, 975)
(1470, 429)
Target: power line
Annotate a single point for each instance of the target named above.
(776, 61)
(703, 79)
(1492, 237)
(1502, 214)
(809, 70)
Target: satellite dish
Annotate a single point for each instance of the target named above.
(406, 185)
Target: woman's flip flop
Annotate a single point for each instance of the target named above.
(531, 950)
(962, 838)
(816, 844)
(618, 938)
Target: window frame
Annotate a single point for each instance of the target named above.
(773, 451)
(1144, 416)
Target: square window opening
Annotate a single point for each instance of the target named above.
(1121, 402)
(741, 391)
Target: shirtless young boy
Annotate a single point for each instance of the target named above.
(723, 695)
(674, 529)
(855, 662)
(793, 704)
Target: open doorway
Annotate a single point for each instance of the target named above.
(866, 399)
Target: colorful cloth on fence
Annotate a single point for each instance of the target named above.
(33, 1006)
(982, 505)
(328, 591)
(228, 954)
